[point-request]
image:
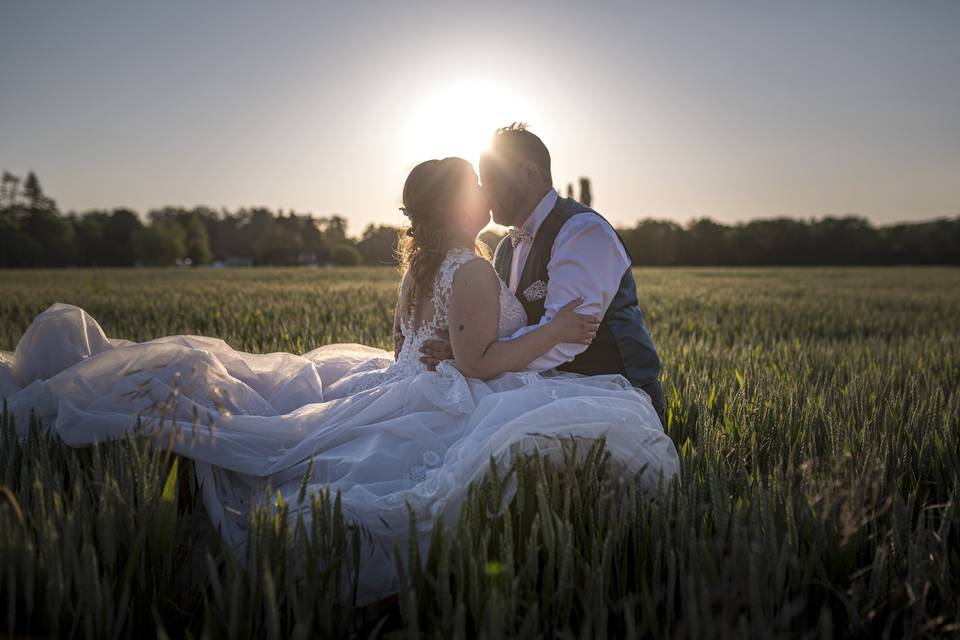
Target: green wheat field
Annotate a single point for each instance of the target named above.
(817, 414)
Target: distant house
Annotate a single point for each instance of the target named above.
(307, 257)
(238, 261)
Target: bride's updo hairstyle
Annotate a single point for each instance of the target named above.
(429, 198)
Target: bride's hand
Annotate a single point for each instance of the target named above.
(572, 327)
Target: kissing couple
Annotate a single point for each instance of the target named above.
(541, 348)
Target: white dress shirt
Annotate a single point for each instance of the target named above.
(587, 260)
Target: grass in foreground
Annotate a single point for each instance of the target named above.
(817, 413)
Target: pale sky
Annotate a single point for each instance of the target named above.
(732, 110)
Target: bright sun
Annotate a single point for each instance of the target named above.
(459, 119)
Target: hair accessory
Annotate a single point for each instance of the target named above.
(413, 223)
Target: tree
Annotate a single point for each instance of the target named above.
(225, 233)
(345, 255)
(334, 230)
(53, 238)
(847, 240)
(586, 195)
(282, 243)
(196, 241)
(105, 238)
(161, 243)
(654, 242)
(33, 193)
(119, 249)
(16, 247)
(705, 243)
(9, 189)
(378, 245)
(88, 234)
(770, 241)
(313, 238)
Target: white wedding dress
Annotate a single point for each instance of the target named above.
(382, 432)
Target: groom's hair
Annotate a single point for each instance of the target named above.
(515, 143)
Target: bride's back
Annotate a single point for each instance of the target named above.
(423, 316)
(414, 313)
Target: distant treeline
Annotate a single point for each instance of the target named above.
(846, 240)
(34, 233)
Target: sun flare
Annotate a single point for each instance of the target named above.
(459, 119)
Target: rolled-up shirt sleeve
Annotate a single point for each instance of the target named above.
(587, 261)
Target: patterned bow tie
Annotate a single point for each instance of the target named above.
(518, 235)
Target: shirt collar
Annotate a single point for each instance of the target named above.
(545, 206)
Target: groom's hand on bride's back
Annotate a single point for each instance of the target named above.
(436, 349)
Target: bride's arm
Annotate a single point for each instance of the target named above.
(397, 318)
(474, 324)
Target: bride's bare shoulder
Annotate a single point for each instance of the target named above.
(476, 277)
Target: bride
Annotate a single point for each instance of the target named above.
(380, 428)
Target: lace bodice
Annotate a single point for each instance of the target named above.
(512, 315)
(378, 371)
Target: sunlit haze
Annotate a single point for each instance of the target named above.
(729, 110)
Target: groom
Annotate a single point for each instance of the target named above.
(558, 250)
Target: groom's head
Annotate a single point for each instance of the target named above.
(515, 173)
